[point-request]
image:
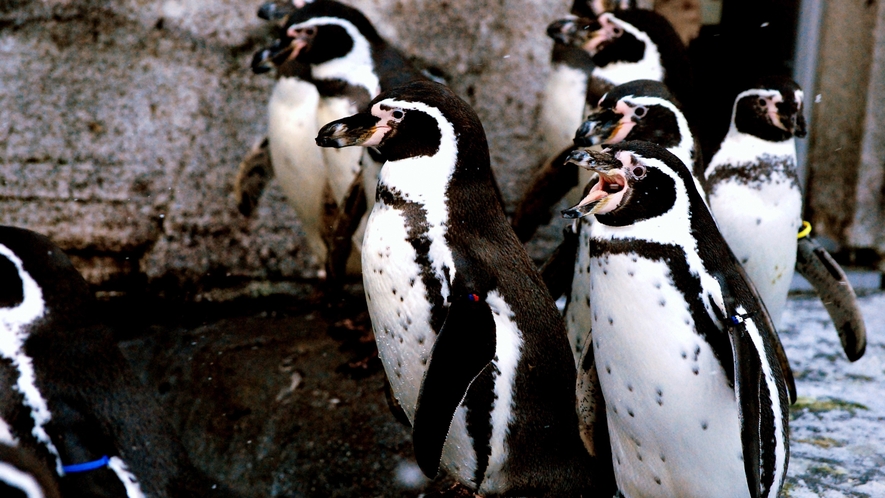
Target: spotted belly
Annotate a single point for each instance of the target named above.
(760, 226)
(672, 417)
(578, 317)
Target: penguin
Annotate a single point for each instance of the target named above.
(622, 47)
(638, 110)
(72, 399)
(330, 63)
(470, 340)
(22, 475)
(685, 353)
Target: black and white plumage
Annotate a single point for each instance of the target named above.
(471, 342)
(753, 187)
(591, 56)
(331, 62)
(72, 397)
(685, 352)
(22, 475)
(640, 110)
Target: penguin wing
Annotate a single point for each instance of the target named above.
(762, 406)
(559, 270)
(831, 284)
(252, 176)
(760, 384)
(464, 347)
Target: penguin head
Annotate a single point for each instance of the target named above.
(771, 110)
(39, 287)
(638, 110)
(608, 38)
(315, 32)
(421, 118)
(636, 181)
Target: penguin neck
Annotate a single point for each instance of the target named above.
(671, 227)
(354, 68)
(739, 149)
(424, 180)
(648, 68)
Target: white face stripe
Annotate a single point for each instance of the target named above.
(130, 482)
(13, 477)
(356, 67)
(686, 144)
(622, 72)
(424, 180)
(13, 333)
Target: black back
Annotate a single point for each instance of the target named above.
(98, 406)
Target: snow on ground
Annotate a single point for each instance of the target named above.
(838, 422)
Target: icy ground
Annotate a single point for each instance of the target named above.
(838, 424)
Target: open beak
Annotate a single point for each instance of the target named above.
(359, 129)
(607, 189)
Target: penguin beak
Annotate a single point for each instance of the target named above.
(607, 189)
(275, 55)
(274, 11)
(359, 129)
(794, 123)
(599, 128)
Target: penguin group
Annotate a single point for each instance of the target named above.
(664, 374)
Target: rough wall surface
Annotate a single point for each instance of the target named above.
(122, 124)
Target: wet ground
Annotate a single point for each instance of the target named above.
(281, 397)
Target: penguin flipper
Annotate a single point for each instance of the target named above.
(550, 183)
(252, 176)
(829, 281)
(758, 409)
(559, 270)
(464, 347)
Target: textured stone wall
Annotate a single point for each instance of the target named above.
(123, 124)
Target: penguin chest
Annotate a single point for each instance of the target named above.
(759, 221)
(342, 165)
(297, 162)
(578, 317)
(672, 417)
(564, 106)
(401, 292)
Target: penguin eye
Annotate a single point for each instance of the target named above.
(617, 31)
(638, 171)
(639, 112)
(398, 114)
(761, 102)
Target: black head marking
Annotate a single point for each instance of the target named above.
(416, 134)
(11, 285)
(652, 192)
(637, 88)
(328, 8)
(752, 110)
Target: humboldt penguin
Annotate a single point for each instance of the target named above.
(685, 353)
(472, 343)
(72, 399)
(755, 195)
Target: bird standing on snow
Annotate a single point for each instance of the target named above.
(684, 352)
(753, 186)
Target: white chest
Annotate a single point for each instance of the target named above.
(564, 106)
(672, 417)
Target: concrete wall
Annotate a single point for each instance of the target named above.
(123, 124)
